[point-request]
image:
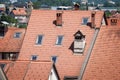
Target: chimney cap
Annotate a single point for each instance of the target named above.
(76, 4)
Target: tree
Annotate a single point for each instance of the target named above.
(8, 19)
(36, 5)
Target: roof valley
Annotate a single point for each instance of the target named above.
(85, 62)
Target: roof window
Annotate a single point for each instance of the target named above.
(39, 39)
(84, 21)
(17, 35)
(70, 78)
(59, 40)
(54, 58)
(34, 57)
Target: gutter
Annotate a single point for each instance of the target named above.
(2, 75)
(85, 62)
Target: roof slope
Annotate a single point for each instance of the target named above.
(41, 22)
(38, 71)
(17, 70)
(9, 43)
(28, 70)
(105, 58)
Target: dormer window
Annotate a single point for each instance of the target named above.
(79, 42)
(113, 21)
(17, 35)
(84, 21)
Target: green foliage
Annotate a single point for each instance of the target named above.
(49, 3)
(22, 25)
(36, 5)
(117, 4)
(107, 14)
(8, 19)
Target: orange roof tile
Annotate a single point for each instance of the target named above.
(19, 11)
(29, 70)
(17, 70)
(9, 43)
(41, 22)
(109, 21)
(105, 58)
(38, 71)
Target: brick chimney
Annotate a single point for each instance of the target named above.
(76, 6)
(59, 19)
(93, 19)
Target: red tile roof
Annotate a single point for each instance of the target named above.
(29, 70)
(41, 22)
(19, 11)
(39, 71)
(105, 58)
(9, 43)
(17, 70)
(109, 21)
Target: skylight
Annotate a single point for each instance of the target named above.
(54, 58)
(84, 21)
(59, 40)
(34, 57)
(39, 39)
(17, 35)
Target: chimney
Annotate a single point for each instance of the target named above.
(59, 19)
(76, 6)
(93, 19)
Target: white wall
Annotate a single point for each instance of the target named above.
(53, 75)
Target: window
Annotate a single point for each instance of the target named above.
(9, 56)
(34, 57)
(17, 35)
(84, 21)
(59, 40)
(39, 40)
(54, 58)
(2, 28)
(71, 78)
(79, 42)
(2, 65)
